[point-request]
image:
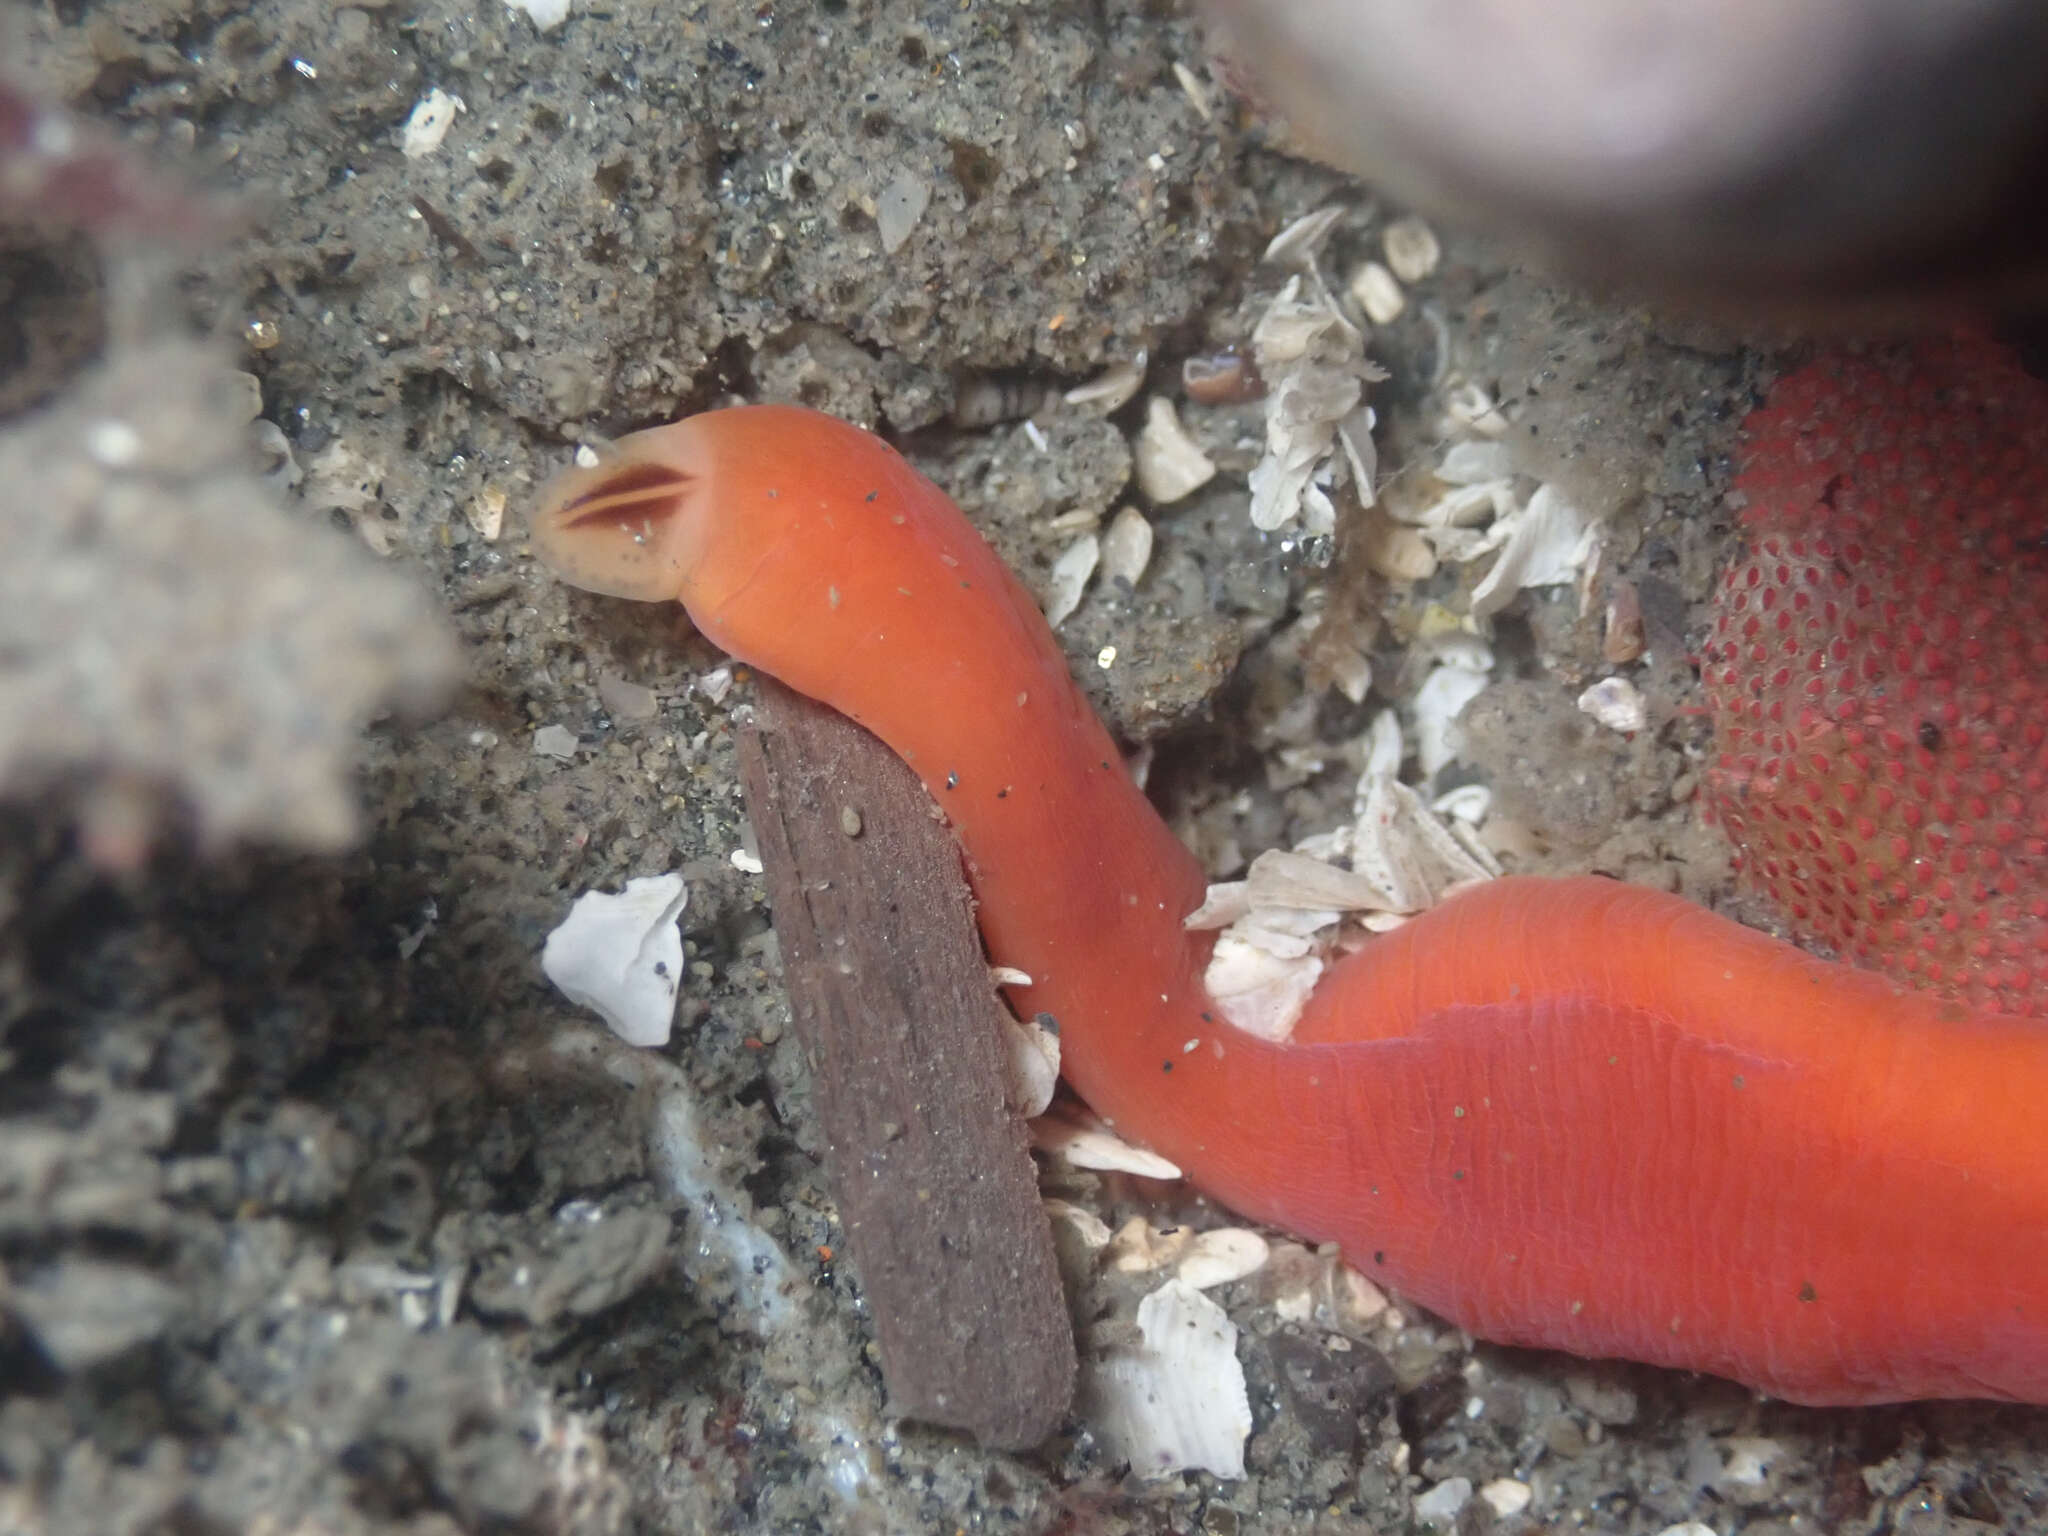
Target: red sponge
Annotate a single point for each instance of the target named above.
(1878, 672)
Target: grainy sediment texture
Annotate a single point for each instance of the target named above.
(313, 1212)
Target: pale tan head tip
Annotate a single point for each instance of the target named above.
(615, 527)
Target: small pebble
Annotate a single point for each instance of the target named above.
(1378, 292)
(113, 444)
(1617, 704)
(1070, 573)
(1443, 1503)
(1623, 639)
(626, 700)
(1506, 1496)
(1412, 249)
(1225, 377)
(849, 821)
(1126, 547)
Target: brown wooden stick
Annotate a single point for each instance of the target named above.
(892, 1000)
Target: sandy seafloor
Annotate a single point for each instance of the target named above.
(304, 1228)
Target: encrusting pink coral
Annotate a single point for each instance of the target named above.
(1878, 671)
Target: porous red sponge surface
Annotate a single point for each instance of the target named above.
(1878, 670)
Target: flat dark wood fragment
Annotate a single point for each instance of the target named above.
(892, 1000)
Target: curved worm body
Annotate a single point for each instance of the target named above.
(1562, 1113)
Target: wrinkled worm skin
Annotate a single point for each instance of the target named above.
(1563, 1113)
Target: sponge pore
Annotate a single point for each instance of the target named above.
(1878, 668)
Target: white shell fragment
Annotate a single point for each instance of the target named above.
(1178, 1401)
(1412, 249)
(622, 955)
(1617, 704)
(1297, 245)
(1139, 1247)
(1126, 547)
(1031, 1066)
(1113, 388)
(898, 208)
(1318, 428)
(556, 741)
(1263, 969)
(486, 513)
(1547, 545)
(1439, 701)
(547, 14)
(1222, 1255)
(1089, 1145)
(1280, 922)
(1169, 463)
(429, 123)
(1069, 579)
(1406, 850)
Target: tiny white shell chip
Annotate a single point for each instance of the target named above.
(747, 863)
(1069, 579)
(621, 956)
(556, 741)
(1126, 547)
(1617, 704)
(1439, 701)
(547, 14)
(1468, 803)
(1177, 1402)
(1412, 249)
(1220, 1256)
(1297, 244)
(1091, 1146)
(901, 204)
(716, 684)
(1169, 463)
(1261, 992)
(486, 513)
(429, 124)
(1113, 388)
(1031, 1066)
(1749, 1460)
(1549, 543)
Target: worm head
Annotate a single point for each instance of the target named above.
(620, 526)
